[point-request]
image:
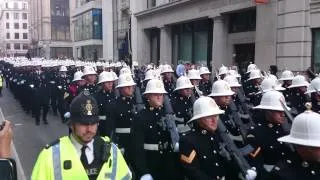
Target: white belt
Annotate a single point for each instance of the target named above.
(268, 168)
(183, 128)
(103, 118)
(123, 130)
(151, 147)
(235, 138)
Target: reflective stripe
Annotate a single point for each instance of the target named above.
(127, 177)
(103, 118)
(56, 162)
(151, 147)
(114, 161)
(123, 130)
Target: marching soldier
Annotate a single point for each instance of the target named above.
(313, 90)
(194, 76)
(62, 84)
(223, 71)
(182, 102)
(82, 154)
(106, 101)
(124, 113)
(271, 125)
(205, 83)
(286, 78)
(167, 77)
(200, 149)
(298, 97)
(90, 76)
(152, 146)
(305, 162)
(252, 86)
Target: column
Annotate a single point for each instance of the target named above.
(165, 45)
(107, 28)
(219, 43)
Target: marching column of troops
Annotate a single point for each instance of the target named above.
(183, 124)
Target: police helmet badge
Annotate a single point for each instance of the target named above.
(88, 108)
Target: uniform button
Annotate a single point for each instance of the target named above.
(150, 127)
(289, 161)
(281, 142)
(159, 133)
(211, 138)
(271, 147)
(160, 152)
(185, 102)
(277, 132)
(130, 119)
(217, 164)
(109, 100)
(179, 113)
(214, 152)
(157, 114)
(313, 172)
(120, 114)
(129, 111)
(204, 157)
(128, 103)
(282, 153)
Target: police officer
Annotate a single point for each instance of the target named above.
(106, 100)
(305, 163)
(271, 125)
(82, 154)
(298, 97)
(200, 150)
(205, 83)
(152, 145)
(182, 102)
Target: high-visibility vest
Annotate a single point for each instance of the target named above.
(1, 82)
(50, 163)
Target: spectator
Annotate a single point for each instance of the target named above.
(5, 140)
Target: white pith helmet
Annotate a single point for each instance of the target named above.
(299, 81)
(77, 76)
(183, 83)
(194, 74)
(223, 70)
(63, 69)
(155, 86)
(89, 70)
(255, 74)
(305, 130)
(232, 80)
(150, 74)
(269, 84)
(204, 107)
(106, 77)
(271, 100)
(125, 80)
(314, 86)
(251, 67)
(166, 68)
(204, 70)
(286, 75)
(221, 88)
(125, 70)
(233, 72)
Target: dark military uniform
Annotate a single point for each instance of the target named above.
(62, 84)
(287, 93)
(205, 87)
(295, 169)
(106, 102)
(123, 115)
(169, 86)
(92, 89)
(250, 90)
(264, 137)
(298, 101)
(315, 103)
(152, 150)
(200, 158)
(41, 96)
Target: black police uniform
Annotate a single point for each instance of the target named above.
(160, 162)
(201, 159)
(106, 103)
(295, 169)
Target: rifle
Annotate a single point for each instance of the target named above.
(238, 121)
(168, 123)
(230, 150)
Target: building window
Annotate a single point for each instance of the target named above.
(16, 35)
(192, 42)
(151, 3)
(25, 46)
(7, 6)
(316, 50)
(16, 46)
(25, 26)
(24, 16)
(8, 46)
(8, 25)
(16, 15)
(8, 35)
(25, 6)
(242, 21)
(15, 5)
(7, 16)
(16, 25)
(25, 35)
(88, 25)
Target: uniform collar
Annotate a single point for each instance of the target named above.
(78, 146)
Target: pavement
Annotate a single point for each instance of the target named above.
(28, 139)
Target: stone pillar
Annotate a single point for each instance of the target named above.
(107, 28)
(219, 43)
(165, 45)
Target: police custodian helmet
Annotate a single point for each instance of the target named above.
(84, 109)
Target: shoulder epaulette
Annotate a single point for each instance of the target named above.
(52, 144)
